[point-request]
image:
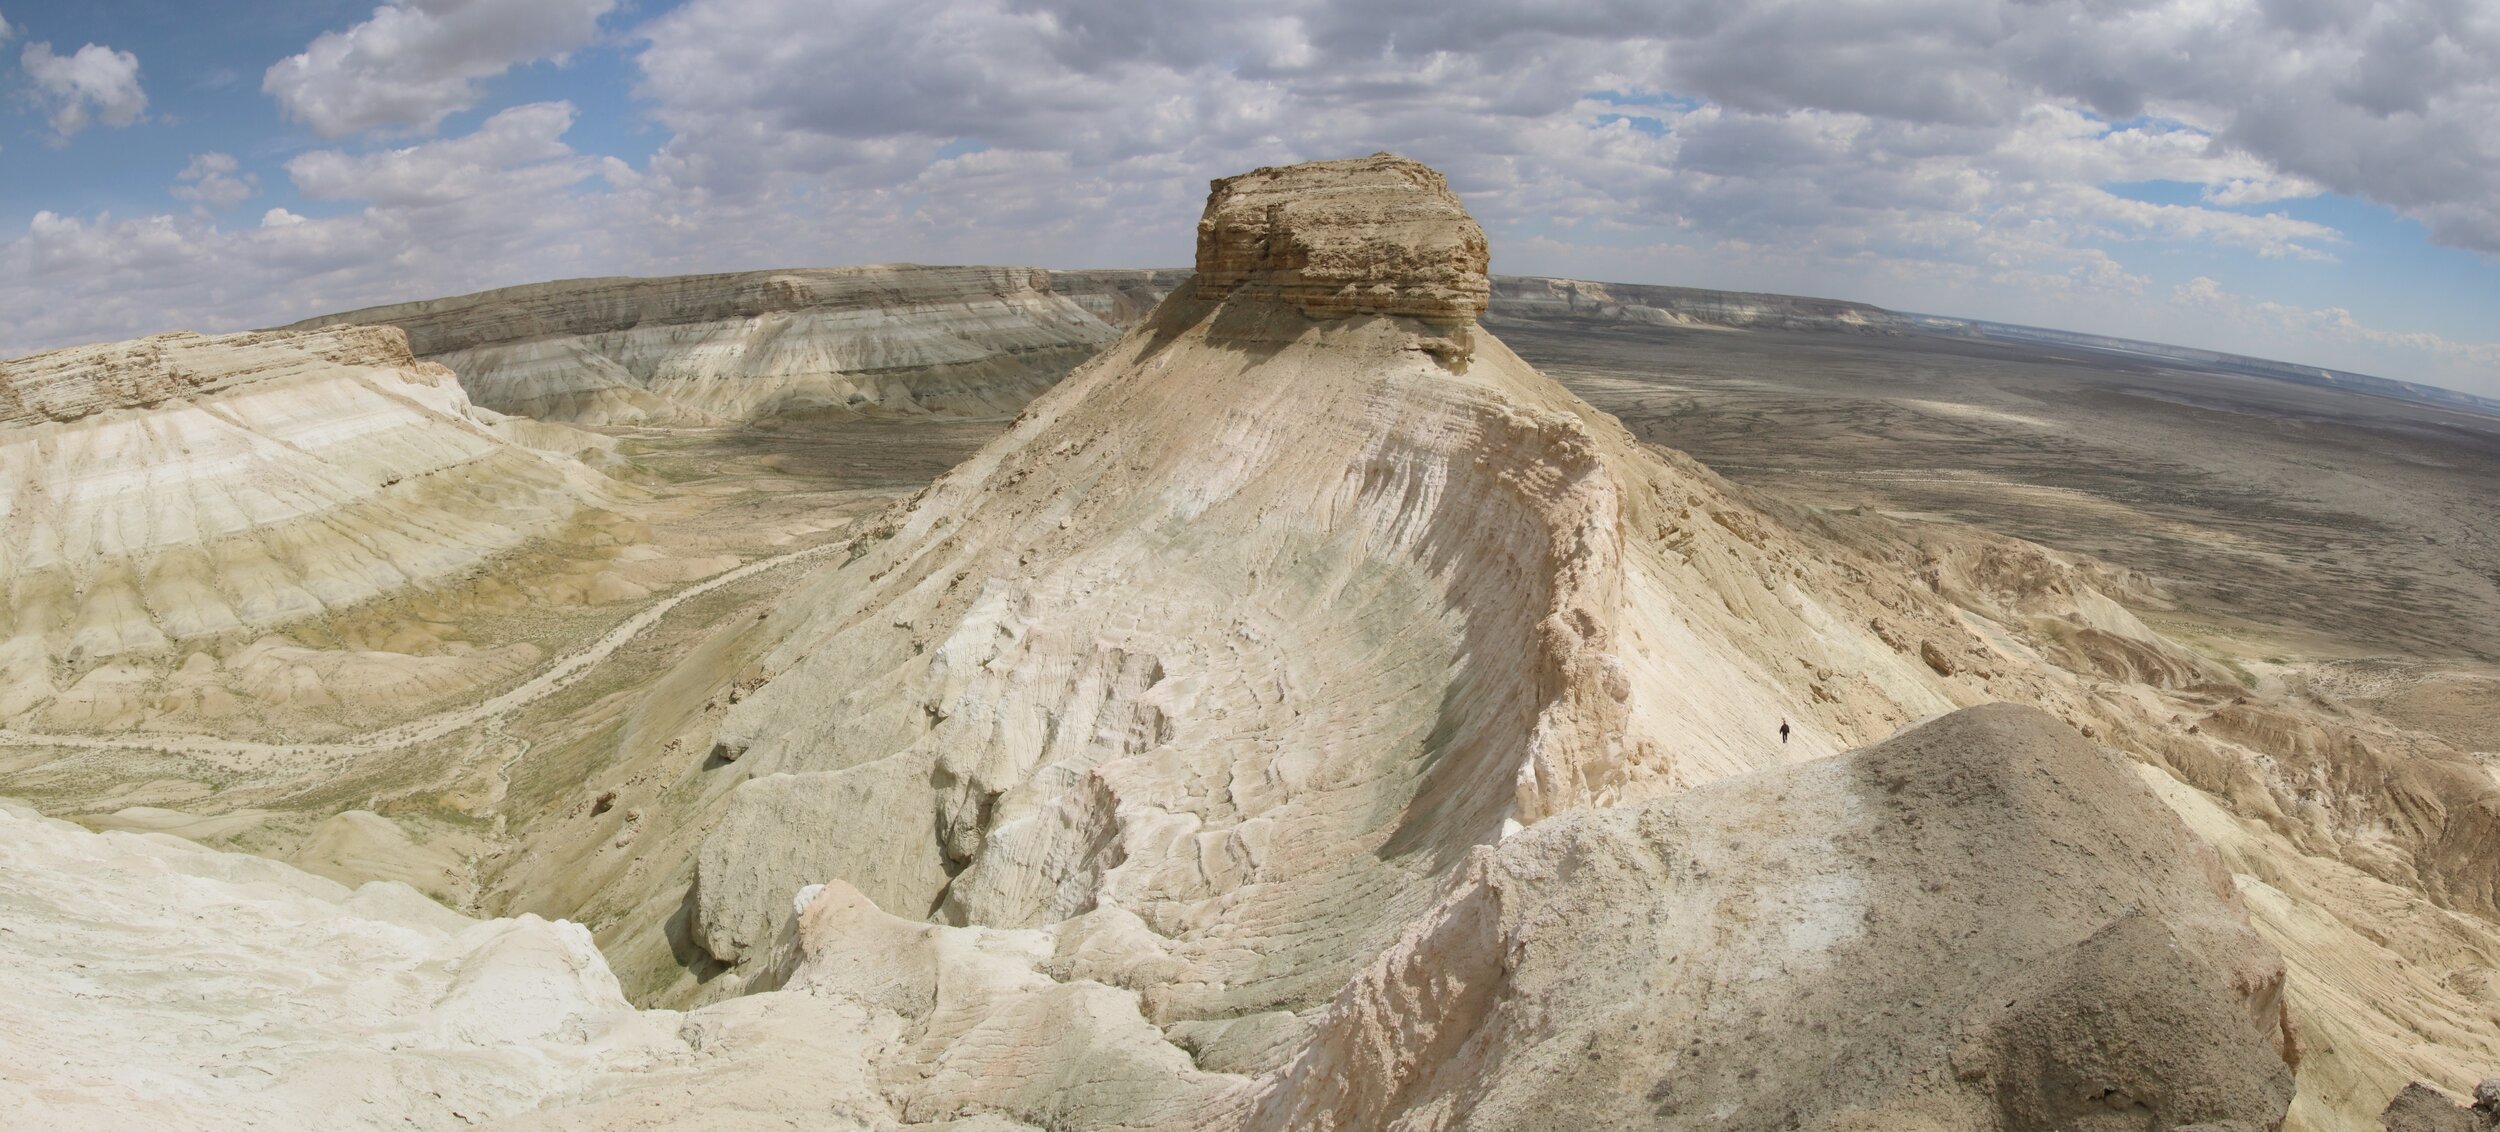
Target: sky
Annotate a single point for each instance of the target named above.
(2310, 180)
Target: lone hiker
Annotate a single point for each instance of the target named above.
(1783, 732)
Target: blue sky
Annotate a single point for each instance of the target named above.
(2318, 181)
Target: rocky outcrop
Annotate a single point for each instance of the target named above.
(712, 349)
(1258, 623)
(152, 983)
(1984, 922)
(182, 488)
(2421, 1108)
(1335, 239)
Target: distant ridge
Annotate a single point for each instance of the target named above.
(2210, 359)
(1115, 295)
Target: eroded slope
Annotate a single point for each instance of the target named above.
(166, 503)
(716, 349)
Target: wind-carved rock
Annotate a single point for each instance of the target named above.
(1378, 235)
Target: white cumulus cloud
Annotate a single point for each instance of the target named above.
(93, 84)
(211, 181)
(415, 61)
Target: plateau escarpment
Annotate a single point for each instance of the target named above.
(1533, 298)
(176, 498)
(1129, 752)
(1327, 600)
(715, 349)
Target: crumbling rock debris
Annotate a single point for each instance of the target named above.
(2421, 1108)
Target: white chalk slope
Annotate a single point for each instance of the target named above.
(716, 349)
(181, 487)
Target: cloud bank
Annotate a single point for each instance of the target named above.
(1965, 156)
(416, 61)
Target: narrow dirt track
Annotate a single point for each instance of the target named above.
(564, 673)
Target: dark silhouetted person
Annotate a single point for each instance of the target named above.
(1783, 731)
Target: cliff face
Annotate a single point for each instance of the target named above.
(1335, 239)
(182, 487)
(712, 349)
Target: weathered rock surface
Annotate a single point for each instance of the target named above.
(1984, 922)
(1367, 235)
(1256, 624)
(712, 349)
(155, 984)
(2421, 1108)
(178, 488)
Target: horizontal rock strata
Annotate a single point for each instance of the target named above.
(1335, 239)
(712, 349)
(183, 487)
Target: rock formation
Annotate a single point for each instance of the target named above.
(1307, 715)
(713, 349)
(178, 489)
(1255, 624)
(152, 983)
(1984, 922)
(1121, 297)
(1375, 235)
(1135, 749)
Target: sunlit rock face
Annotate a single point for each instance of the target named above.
(718, 349)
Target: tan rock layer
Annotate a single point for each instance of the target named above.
(1367, 235)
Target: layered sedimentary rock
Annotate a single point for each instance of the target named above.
(711, 349)
(1121, 297)
(1984, 923)
(1326, 721)
(1110, 772)
(183, 488)
(1254, 625)
(1375, 235)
